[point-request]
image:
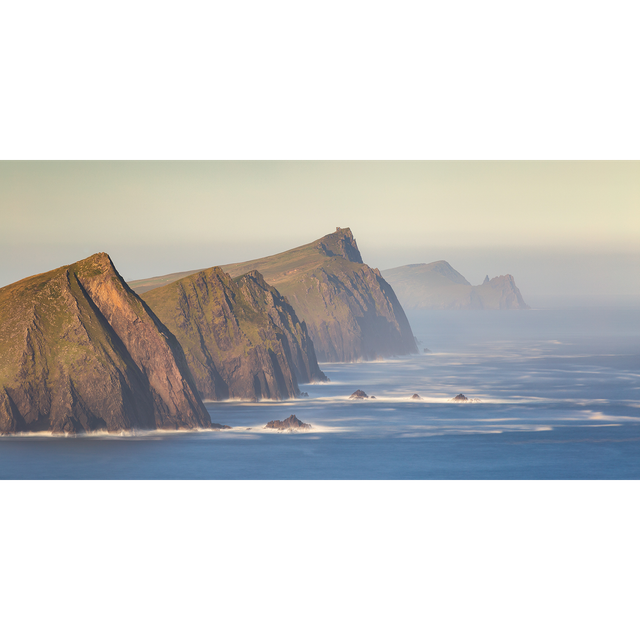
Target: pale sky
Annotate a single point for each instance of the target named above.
(558, 227)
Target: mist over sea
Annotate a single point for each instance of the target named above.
(558, 391)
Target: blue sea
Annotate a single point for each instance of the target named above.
(557, 396)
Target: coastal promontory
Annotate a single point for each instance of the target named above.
(81, 352)
(240, 336)
(350, 311)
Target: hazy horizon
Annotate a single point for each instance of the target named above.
(560, 228)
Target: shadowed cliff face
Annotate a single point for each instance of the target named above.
(81, 352)
(241, 338)
(438, 286)
(350, 310)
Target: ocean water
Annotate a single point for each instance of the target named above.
(558, 397)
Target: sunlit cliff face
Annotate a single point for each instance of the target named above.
(81, 353)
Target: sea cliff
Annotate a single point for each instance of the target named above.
(351, 312)
(241, 338)
(81, 352)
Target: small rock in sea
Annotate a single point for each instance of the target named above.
(427, 350)
(358, 394)
(215, 425)
(372, 397)
(290, 424)
(461, 398)
(415, 396)
(304, 394)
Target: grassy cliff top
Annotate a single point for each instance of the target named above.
(305, 259)
(279, 267)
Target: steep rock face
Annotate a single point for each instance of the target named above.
(438, 285)
(351, 312)
(241, 338)
(81, 352)
(500, 292)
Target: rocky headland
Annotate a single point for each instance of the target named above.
(438, 285)
(81, 352)
(350, 310)
(240, 337)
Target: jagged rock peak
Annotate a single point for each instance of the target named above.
(486, 280)
(256, 276)
(462, 398)
(292, 423)
(438, 286)
(340, 243)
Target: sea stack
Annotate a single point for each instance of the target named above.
(81, 352)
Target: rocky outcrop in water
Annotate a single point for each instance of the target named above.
(240, 337)
(292, 423)
(359, 394)
(462, 398)
(81, 352)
